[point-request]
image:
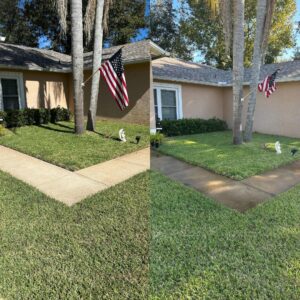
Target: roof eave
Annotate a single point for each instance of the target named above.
(32, 68)
(190, 81)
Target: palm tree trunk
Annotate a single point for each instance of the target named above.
(261, 11)
(77, 61)
(238, 68)
(97, 60)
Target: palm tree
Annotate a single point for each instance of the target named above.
(96, 17)
(234, 35)
(77, 54)
(264, 14)
(238, 49)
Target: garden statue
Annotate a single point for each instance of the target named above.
(122, 136)
(278, 148)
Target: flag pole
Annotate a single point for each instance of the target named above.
(84, 83)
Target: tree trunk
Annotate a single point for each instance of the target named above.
(97, 60)
(238, 69)
(77, 62)
(256, 65)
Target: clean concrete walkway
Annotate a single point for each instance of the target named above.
(239, 195)
(72, 187)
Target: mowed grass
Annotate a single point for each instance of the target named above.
(202, 250)
(57, 143)
(215, 151)
(97, 249)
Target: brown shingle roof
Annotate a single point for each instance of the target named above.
(15, 56)
(177, 70)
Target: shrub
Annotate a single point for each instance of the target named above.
(29, 116)
(41, 116)
(59, 114)
(192, 126)
(2, 118)
(33, 116)
(15, 118)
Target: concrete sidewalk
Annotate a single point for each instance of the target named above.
(239, 195)
(72, 187)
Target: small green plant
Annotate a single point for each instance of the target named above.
(269, 147)
(156, 139)
(2, 130)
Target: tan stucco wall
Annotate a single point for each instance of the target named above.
(279, 115)
(199, 101)
(46, 89)
(138, 84)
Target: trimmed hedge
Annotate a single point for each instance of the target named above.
(33, 116)
(192, 126)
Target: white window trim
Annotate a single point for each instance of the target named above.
(20, 83)
(171, 87)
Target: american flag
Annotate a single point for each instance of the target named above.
(113, 72)
(268, 86)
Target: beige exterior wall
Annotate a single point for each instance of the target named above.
(138, 84)
(49, 89)
(46, 89)
(200, 101)
(279, 115)
(43, 89)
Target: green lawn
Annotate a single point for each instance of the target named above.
(215, 152)
(202, 250)
(101, 247)
(97, 249)
(57, 144)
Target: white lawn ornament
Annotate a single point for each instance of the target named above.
(122, 136)
(278, 147)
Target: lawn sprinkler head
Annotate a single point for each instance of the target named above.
(138, 138)
(294, 151)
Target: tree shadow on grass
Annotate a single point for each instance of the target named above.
(56, 129)
(107, 136)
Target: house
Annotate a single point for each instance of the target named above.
(39, 78)
(191, 90)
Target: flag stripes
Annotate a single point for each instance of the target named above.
(114, 75)
(268, 86)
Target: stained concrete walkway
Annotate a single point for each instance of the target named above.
(239, 195)
(72, 187)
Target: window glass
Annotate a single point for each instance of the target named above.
(168, 105)
(169, 113)
(168, 98)
(10, 94)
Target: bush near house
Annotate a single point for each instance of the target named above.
(32, 116)
(192, 126)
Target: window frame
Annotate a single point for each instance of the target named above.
(169, 87)
(20, 85)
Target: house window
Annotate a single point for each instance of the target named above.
(167, 102)
(11, 91)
